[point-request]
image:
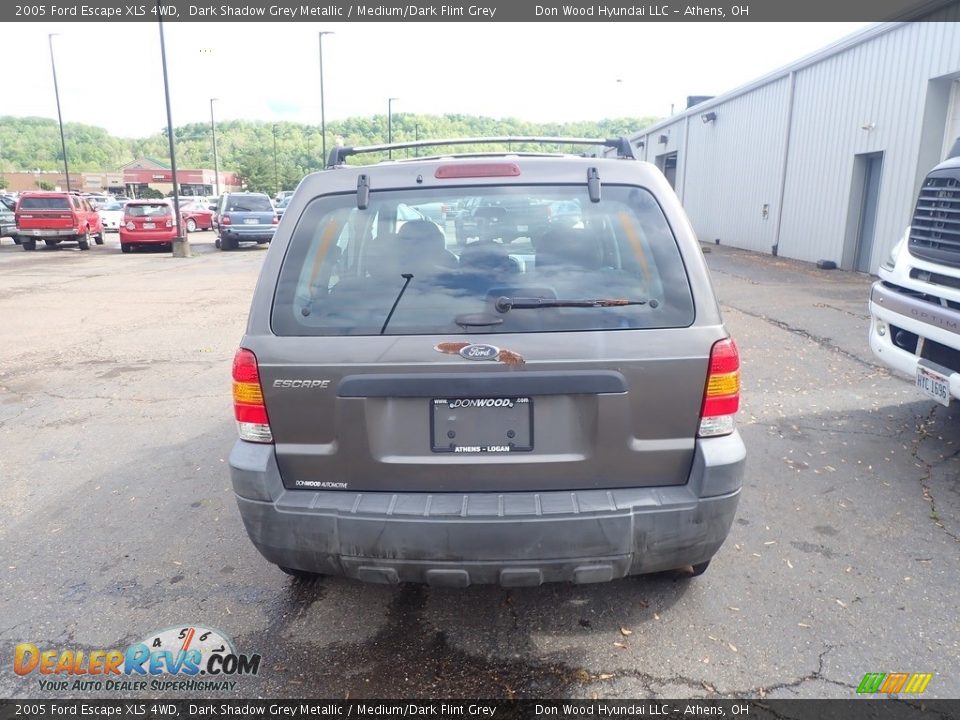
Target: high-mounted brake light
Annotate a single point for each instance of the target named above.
(477, 170)
(248, 406)
(721, 399)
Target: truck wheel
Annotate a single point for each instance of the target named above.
(28, 244)
(101, 236)
(84, 241)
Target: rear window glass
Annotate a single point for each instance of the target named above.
(147, 210)
(517, 259)
(248, 203)
(45, 203)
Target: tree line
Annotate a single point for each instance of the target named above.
(266, 154)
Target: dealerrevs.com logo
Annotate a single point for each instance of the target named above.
(184, 658)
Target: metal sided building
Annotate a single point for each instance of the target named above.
(822, 159)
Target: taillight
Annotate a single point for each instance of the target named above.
(276, 219)
(130, 225)
(721, 399)
(225, 220)
(169, 222)
(248, 406)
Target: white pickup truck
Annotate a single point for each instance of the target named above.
(915, 305)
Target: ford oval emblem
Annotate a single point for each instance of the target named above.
(479, 352)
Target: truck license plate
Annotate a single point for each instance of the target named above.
(933, 384)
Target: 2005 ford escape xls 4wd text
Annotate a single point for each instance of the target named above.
(525, 404)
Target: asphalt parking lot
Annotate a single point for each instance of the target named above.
(117, 517)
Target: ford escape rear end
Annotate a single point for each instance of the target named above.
(549, 401)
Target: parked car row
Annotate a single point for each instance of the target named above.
(55, 217)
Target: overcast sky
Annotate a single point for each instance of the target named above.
(110, 73)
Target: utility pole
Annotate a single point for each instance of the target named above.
(181, 245)
(276, 172)
(216, 164)
(323, 114)
(390, 102)
(56, 92)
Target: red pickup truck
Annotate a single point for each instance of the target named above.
(55, 217)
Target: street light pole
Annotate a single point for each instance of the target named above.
(56, 91)
(216, 164)
(181, 245)
(323, 114)
(276, 173)
(390, 125)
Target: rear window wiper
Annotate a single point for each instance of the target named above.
(505, 304)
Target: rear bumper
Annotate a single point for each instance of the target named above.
(47, 232)
(147, 238)
(511, 539)
(252, 234)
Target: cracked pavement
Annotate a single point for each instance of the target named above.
(117, 517)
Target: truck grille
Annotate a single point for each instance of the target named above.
(935, 230)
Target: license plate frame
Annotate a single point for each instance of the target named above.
(481, 426)
(149, 226)
(251, 221)
(933, 384)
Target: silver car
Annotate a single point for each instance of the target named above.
(557, 406)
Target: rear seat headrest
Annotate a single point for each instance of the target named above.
(569, 247)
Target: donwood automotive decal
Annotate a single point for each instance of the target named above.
(471, 351)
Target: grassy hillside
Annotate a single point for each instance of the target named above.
(247, 147)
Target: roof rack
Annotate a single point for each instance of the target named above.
(622, 144)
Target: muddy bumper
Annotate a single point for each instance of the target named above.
(511, 539)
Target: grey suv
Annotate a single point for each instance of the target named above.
(556, 405)
(245, 217)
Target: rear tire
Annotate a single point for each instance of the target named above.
(191, 225)
(84, 241)
(299, 574)
(28, 244)
(228, 243)
(126, 247)
(101, 236)
(216, 242)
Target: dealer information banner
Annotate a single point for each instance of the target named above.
(295, 11)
